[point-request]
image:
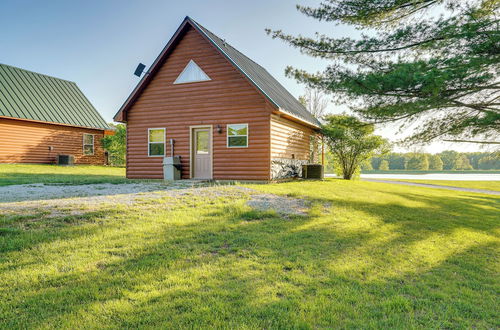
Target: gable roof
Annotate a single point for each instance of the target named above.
(33, 96)
(258, 76)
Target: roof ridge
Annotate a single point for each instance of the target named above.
(304, 114)
(227, 43)
(41, 74)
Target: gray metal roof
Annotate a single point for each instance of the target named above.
(262, 79)
(34, 96)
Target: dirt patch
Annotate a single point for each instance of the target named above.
(282, 205)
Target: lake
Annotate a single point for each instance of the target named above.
(433, 176)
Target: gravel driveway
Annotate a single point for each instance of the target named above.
(62, 200)
(39, 191)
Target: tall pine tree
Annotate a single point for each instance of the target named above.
(432, 60)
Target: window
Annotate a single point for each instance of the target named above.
(237, 136)
(88, 144)
(156, 142)
(202, 143)
(191, 73)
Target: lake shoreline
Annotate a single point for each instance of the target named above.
(430, 176)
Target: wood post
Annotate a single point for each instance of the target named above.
(323, 150)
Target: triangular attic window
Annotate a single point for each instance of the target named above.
(191, 73)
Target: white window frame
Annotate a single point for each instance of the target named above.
(93, 144)
(164, 141)
(227, 135)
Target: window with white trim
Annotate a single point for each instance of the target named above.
(156, 142)
(237, 135)
(88, 144)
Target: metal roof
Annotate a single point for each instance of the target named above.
(262, 79)
(33, 96)
(258, 76)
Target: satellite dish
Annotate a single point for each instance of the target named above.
(139, 70)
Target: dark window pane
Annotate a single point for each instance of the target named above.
(156, 149)
(237, 141)
(88, 150)
(88, 139)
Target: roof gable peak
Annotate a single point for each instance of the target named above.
(256, 74)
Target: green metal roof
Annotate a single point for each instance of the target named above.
(34, 96)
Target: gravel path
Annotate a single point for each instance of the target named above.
(68, 200)
(427, 185)
(40, 191)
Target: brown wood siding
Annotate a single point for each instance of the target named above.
(289, 138)
(28, 142)
(228, 98)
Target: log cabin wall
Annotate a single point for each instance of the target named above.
(228, 98)
(290, 139)
(28, 142)
(290, 147)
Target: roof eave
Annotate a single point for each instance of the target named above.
(120, 115)
(54, 123)
(301, 120)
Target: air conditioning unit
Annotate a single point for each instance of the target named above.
(312, 171)
(65, 160)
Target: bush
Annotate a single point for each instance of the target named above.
(116, 145)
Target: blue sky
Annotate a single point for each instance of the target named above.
(98, 43)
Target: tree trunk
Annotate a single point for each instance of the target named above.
(346, 174)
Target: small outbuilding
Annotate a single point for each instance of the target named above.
(42, 117)
(222, 113)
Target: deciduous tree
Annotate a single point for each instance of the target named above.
(384, 165)
(417, 162)
(449, 158)
(315, 100)
(463, 163)
(351, 141)
(116, 145)
(435, 163)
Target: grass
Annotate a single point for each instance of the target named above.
(487, 185)
(368, 255)
(11, 174)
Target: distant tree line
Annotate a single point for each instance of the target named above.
(447, 160)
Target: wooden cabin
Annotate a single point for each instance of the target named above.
(42, 117)
(222, 113)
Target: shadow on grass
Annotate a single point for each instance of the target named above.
(19, 233)
(16, 178)
(229, 266)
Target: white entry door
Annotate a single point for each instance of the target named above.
(202, 153)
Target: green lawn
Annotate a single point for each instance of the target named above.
(368, 255)
(488, 185)
(22, 173)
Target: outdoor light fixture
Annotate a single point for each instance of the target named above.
(219, 129)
